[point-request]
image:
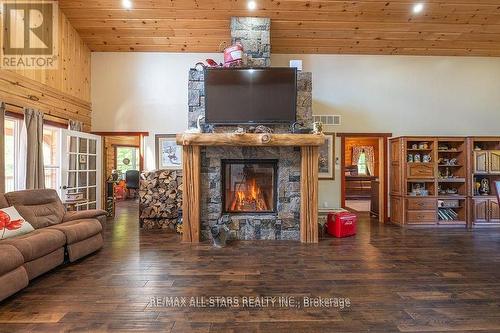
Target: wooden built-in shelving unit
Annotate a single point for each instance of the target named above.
(428, 181)
(449, 195)
(485, 164)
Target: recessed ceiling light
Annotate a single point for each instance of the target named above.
(252, 5)
(127, 4)
(418, 7)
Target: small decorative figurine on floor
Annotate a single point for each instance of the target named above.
(220, 231)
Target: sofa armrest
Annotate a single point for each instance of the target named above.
(84, 214)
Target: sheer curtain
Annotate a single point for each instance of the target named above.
(33, 134)
(370, 157)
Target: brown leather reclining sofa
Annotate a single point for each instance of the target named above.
(59, 237)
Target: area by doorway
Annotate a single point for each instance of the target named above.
(364, 173)
(123, 160)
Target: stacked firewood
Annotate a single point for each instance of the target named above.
(160, 199)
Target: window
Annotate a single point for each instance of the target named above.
(362, 164)
(127, 158)
(12, 132)
(51, 156)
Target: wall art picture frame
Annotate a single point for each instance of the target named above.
(168, 152)
(327, 158)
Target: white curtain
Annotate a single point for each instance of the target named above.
(370, 157)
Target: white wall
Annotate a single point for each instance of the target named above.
(396, 94)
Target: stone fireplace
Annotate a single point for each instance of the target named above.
(266, 183)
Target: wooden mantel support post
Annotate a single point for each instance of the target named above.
(191, 163)
(191, 195)
(309, 194)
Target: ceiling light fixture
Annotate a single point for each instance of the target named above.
(127, 4)
(418, 7)
(252, 5)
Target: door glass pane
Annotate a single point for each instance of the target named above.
(92, 178)
(71, 179)
(82, 146)
(92, 206)
(92, 162)
(82, 179)
(92, 193)
(92, 146)
(72, 161)
(82, 162)
(72, 144)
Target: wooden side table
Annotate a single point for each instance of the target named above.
(71, 205)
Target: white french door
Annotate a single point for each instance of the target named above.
(81, 167)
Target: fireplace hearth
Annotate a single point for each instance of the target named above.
(249, 186)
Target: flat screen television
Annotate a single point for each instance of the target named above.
(250, 95)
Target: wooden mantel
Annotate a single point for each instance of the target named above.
(191, 167)
(246, 139)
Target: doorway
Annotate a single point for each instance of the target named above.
(364, 173)
(123, 161)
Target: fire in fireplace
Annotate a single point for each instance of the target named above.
(249, 186)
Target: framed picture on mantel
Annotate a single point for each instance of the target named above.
(168, 153)
(326, 158)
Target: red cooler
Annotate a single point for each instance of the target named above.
(341, 224)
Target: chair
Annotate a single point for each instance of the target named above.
(132, 181)
(497, 187)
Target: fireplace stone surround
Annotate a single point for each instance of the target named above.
(284, 224)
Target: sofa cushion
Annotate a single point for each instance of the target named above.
(12, 224)
(79, 230)
(3, 201)
(83, 214)
(41, 208)
(10, 258)
(38, 243)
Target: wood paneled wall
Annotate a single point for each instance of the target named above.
(350, 143)
(62, 93)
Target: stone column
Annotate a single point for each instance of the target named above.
(255, 35)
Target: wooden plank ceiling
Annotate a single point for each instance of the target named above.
(451, 27)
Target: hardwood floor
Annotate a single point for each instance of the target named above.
(396, 280)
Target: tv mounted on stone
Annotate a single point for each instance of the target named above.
(250, 95)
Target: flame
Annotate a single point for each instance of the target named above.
(251, 198)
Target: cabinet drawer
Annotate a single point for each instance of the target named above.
(421, 204)
(420, 170)
(425, 217)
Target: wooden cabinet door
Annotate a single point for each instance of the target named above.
(397, 210)
(395, 180)
(481, 162)
(396, 151)
(494, 161)
(494, 212)
(481, 209)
